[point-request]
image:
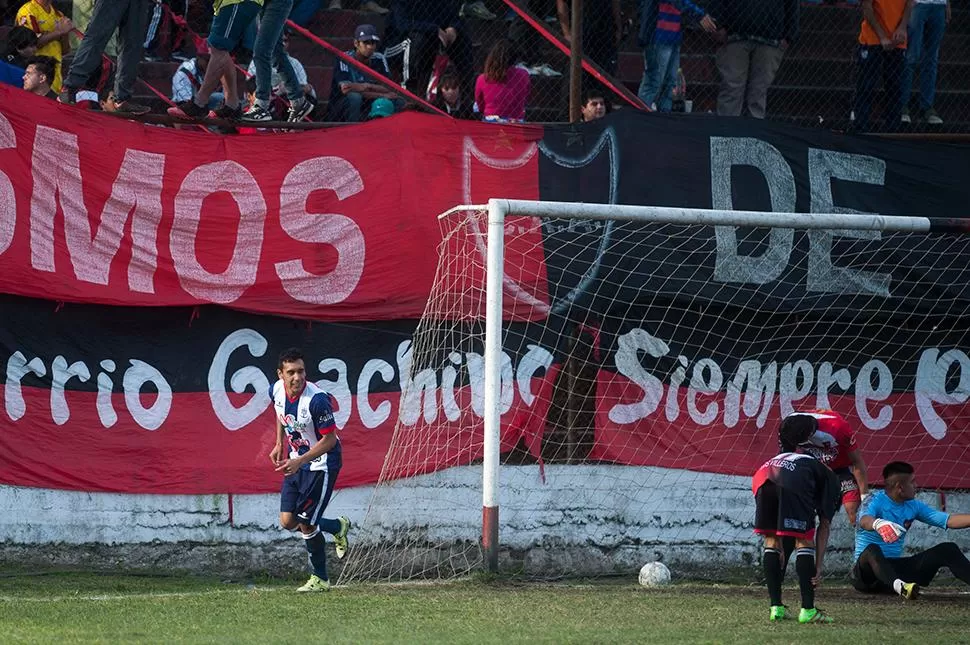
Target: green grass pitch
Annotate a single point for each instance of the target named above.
(98, 608)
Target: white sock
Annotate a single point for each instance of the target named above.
(898, 585)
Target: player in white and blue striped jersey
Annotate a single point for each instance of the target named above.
(309, 455)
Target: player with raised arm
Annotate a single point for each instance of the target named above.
(790, 489)
(886, 517)
(310, 465)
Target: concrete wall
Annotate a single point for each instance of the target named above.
(574, 520)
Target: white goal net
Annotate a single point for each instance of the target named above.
(647, 356)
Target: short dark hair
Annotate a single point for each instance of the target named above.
(448, 79)
(20, 38)
(796, 429)
(291, 355)
(251, 84)
(45, 65)
(896, 468)
(593, 94)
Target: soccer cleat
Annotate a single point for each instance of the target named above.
(340, 542)
(909, 591)
(187, 110)
(315, 583)
(813, 615)
(299, 110)
(778, 612)
(256, 114)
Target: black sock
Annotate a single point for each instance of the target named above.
(805, 568)
(316, 546)
(773, 575)
(788, 546)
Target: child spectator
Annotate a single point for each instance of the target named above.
(501, 92)
(53, 30)
(449, 99)
(351, 95)
(39, 76)
(660, 37)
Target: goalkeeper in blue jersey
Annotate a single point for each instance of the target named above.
(885, 518)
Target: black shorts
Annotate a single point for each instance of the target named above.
(850, 487)
(780, 512)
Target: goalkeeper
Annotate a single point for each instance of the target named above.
(886, 517)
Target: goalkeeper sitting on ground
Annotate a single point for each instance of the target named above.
(886, 516)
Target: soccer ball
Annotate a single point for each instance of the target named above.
(654, 574)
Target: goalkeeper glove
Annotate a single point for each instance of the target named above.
(888, 531)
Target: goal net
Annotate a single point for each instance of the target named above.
(646, 358)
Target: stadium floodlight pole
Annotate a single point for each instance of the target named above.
(495, 252)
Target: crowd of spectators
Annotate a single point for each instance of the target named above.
(426, 47)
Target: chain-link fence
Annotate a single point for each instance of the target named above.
(811, 63)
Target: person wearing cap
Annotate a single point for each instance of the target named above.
(351, 93)
(380, 108)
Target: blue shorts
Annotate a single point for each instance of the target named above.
(231, 23)
(307, 494)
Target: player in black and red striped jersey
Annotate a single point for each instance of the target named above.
(790, 490)
(834, 444)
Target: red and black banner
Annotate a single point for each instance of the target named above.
(152, 276)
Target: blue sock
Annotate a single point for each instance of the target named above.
(330, 526)
(316, 547)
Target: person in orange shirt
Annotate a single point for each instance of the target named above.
(52, 29)
(882, 49)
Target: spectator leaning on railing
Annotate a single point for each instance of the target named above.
(755, 35)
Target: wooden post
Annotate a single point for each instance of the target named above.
(576, 62)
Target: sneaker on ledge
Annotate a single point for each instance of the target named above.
(227, 113)
(187, 110)
(932, 117)
(256, 114)
(130, 107)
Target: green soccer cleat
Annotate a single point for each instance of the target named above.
(909, 591)
(315, 583)
(778, 613)
(813, 615)
(340, 538)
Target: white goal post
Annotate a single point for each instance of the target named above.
(611, 376)
(499, 209)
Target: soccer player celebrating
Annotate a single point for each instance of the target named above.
(790, 489)
(304, 420)
(886, 517)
